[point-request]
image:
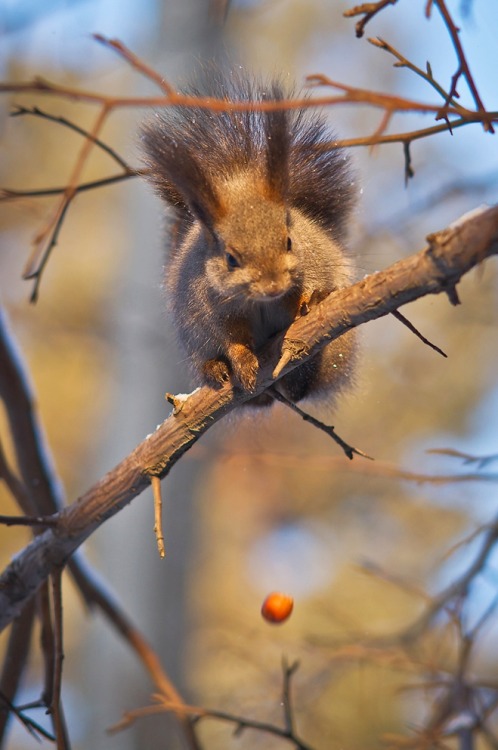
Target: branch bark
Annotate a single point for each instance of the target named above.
(438, 268)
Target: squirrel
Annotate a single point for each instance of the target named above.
(260, 207)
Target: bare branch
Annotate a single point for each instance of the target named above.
(45, 496)
(438, 268)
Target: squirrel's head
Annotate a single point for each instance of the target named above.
(250, 251)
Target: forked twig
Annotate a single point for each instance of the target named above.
(368, 10)
(463, 67)
(403, 62)
(31, 726)
(287, 733)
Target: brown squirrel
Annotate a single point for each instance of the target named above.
(260, 214)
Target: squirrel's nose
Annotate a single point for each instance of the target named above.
(272, 288)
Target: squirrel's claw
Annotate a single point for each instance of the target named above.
(216, 372)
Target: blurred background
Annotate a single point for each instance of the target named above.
(259, 504)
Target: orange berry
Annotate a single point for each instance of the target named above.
(277, 607)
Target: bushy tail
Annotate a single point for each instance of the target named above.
(192, 151)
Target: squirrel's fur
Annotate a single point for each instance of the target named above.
(261, 207)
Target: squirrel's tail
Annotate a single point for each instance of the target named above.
(191, 151)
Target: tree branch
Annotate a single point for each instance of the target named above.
(438, 268)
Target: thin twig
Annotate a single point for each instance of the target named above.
(56, 702)
(327, 429)
(158, 514)
(44, 522)
(481, 461)
(399, 316)
(408, 137)
(409, 171)
(135, 62)
(47, 238)
(35, 273)
(8, 195)
(288, 671)
(37, 112)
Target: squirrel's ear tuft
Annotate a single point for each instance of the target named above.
(177, 176)
(277, 136)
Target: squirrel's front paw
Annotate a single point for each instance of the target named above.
(244, 365)
(216, 372)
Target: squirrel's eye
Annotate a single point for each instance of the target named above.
(232, 261)
(289, 244)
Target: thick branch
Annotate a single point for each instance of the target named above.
(438, 268)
